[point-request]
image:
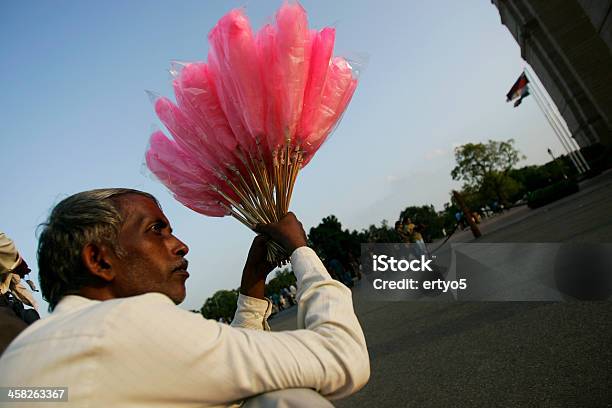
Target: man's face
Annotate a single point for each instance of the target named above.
(153, 259)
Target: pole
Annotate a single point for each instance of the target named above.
(579, 152)
(561, 123)
(557, 163)
(538, 96)
(556, 130)
(547, 108)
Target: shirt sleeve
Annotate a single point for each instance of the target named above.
(180, 357)
(252, 313)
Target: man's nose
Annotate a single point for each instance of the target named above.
(180, 248)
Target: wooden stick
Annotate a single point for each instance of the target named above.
(250, 217)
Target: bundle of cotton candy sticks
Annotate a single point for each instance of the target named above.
(247, 120)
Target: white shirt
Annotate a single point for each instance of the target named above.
(144, 351)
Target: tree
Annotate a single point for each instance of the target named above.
(535, 177)
(380, 235)
(330, 241)
(485, 169)
(221, 304)
(283, 279)
(426, 215)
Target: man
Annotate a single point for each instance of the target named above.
(112, 272)
(14, 318)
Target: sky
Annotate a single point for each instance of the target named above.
(74, 114)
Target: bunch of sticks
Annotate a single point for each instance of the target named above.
(264, 192)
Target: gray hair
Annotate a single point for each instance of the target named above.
(89, 217)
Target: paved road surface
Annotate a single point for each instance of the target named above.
(496, 354)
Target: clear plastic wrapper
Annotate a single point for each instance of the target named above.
(247, 120)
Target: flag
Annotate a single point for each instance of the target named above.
(516, 90)
(524, 94)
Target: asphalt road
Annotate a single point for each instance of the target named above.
(495, 354)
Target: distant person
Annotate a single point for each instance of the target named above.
(476, 217)
(13, 269)
(293, 291)
(354, 266)
(495, 207)
(113, 272)
(417, 238)
(14, 317)
(401, 232)
(275, 297)
(289, 297)
(459, 218)
(417, 233)
(408, 228)
(341, 272)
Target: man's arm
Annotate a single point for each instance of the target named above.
(256, 269)
(253, 309)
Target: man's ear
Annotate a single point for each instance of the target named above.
(98, 260)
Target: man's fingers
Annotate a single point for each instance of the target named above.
(263, 229)
(288, 232)
(269, 230)
(260, 239)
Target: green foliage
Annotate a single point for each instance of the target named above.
(477, 160)
(381, 234)
(330, 241)
(448, 216)
(426, 215)
(485, 170)
(499, 186)
(221, 304)
(552, 193)
(532, 178)
(283, 279)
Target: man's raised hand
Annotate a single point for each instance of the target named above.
(288, 232)
(256, 269)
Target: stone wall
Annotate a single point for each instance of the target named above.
(568, 43)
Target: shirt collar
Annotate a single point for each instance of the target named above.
(73, 302)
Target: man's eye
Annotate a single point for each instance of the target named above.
(157, 227)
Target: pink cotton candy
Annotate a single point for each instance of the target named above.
(197, 99)
(337, 92)
(204, 150)
(272, 82)
(201, 96)
(232, 59)
(181, 166)
(293, 43)
(189, 184)
(183, 130)
(322, 48)
(284, 53)
(259, 96)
